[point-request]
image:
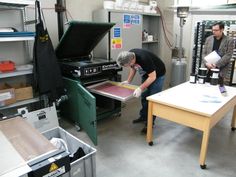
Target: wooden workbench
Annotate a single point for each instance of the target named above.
(199, 106)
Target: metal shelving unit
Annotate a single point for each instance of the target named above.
(15, 39)
(19, 103)
(17, 5)
(15, 73)
(149, 42)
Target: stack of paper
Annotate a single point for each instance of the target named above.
(212, 57)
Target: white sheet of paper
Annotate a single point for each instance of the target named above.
(212, 57)
(11, 160)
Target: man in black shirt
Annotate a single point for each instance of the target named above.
(152, 70)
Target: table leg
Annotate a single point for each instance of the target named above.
(233, 122)
(204, 146)
(149, 124)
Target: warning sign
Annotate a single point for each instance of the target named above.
(57, 172)
(53, 167)
(116, 43)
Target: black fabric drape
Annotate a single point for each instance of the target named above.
(47, 74)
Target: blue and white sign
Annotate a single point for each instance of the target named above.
(116, 32)
(131, 19)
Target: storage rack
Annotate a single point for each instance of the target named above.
(18, 5)
(198, 46)
(231, 31)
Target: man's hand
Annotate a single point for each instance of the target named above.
(210, 66)
(137, 92)
(125, 82)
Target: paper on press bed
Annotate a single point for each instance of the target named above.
(212, 57)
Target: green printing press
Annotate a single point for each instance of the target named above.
(80, 70)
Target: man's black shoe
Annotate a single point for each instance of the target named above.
(139, 120)
(144, 130)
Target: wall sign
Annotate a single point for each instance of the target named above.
(131, 19)
(116, 32)
(116, 43)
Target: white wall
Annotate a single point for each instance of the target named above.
(165, 51)
(82, 10)
(79, 10)
(50, 18)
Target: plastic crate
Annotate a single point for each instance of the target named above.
(82, 167)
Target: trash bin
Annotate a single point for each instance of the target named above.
(82, 167)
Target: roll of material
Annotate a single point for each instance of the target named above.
(201, 79)
(193, 78)
(202, 72)
(215, 73)
(214, 81)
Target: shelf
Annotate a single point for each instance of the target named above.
(17, 2)
(148, 42)
(15, 73)
(133, 12)
(14, 39)
(19, 103)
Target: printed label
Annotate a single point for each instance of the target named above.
(5, 96)
(55, 173)
(116, 43)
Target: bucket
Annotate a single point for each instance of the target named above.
(215, 73)
(214, 76)
(193, 78)
(202, 72)
(214, 81)
(201, 79)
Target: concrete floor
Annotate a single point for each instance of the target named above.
(123, 152)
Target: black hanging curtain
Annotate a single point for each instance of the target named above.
(47, 74)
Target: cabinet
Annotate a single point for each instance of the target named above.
(152, 26)
(128, 33)
(16, 46)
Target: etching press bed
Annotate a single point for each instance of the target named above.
(114, 90)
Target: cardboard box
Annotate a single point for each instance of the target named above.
(22, 91)
(7, 95)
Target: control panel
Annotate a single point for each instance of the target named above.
(92, 70)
